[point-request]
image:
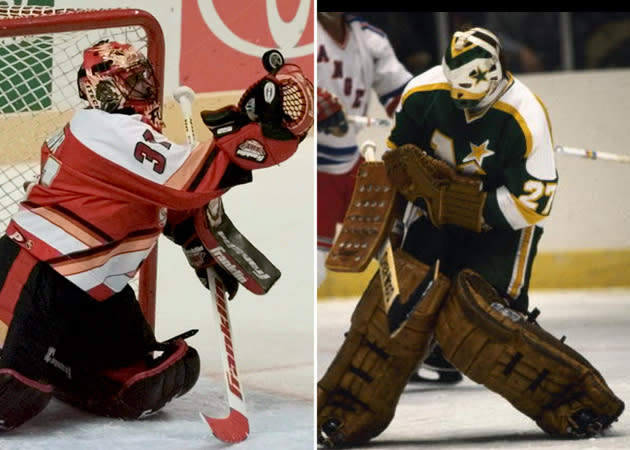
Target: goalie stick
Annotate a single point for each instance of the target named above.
(398, 312)
(235, 427)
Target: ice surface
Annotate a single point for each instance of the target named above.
(468, 416)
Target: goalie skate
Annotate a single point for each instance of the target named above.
(436, 369)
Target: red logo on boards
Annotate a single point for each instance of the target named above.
(222, 42)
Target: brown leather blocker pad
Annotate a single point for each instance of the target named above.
(367, 221)
(537, 373)
(358, 394)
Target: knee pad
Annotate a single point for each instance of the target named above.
(510, 354)
(20, 398)
(358, 394)
(138, 390)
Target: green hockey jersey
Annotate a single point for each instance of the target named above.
(508, 144)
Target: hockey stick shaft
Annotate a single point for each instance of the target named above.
(592, 154)
(234, 427)
(385, 255)
(370, 122)
(184, 96)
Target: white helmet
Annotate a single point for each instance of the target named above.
(472, 66)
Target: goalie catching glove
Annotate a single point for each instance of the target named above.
(266, 126)
(450, 198)
(282, 102)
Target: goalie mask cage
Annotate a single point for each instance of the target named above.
(41, 50)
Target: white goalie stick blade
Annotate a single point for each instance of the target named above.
(235, 427)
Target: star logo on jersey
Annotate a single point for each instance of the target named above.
(478, 153)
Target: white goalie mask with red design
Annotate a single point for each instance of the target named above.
(116, 77)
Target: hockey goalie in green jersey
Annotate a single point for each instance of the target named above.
(476, 117)
(471, 152)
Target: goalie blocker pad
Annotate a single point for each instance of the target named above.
(358, 394)
(367, 222)
(232, 251)
(513, 356)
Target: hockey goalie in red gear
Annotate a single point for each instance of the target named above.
(110, 185)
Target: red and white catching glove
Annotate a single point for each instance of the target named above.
(331, 118)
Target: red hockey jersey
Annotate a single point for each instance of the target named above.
(106, 184)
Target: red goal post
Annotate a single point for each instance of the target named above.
(40, 52)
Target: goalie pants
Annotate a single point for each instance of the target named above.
(502, 257)
(54, 326)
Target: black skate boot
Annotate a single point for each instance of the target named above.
(436, 369)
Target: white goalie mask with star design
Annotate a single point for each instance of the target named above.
(472, 67)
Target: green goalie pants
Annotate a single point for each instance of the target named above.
(503, 257)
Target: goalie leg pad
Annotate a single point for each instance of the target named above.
(358, 394)
(537, 373)
(136, 391)
(20, 398)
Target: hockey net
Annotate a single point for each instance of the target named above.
(41, 50)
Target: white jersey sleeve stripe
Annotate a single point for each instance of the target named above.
(52, 234)
(69, 226)
(84, 264)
